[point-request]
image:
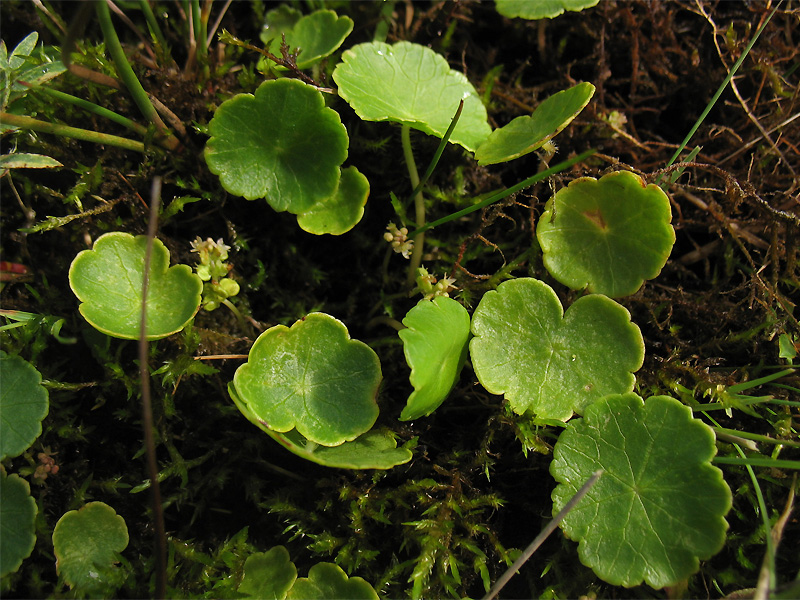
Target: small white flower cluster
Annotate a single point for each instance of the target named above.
(398, 238)
(430, 288)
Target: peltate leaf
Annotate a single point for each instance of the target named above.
(548, 362)
(108, 281)
(282, 144)
(607, 235)
(342, 211)
(540, 9)
(17, 515)
(268, 575)
(311, 377)
(327, 581)
(86, 543)
(659, 507)
(435, 345)
(23, 404)
(525, 134)
(411, 84)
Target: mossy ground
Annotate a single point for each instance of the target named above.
(713, 317)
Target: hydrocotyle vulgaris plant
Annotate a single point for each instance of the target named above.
(541, 9)
(414, 86)
(313, 389)
(272, 574)
(24, 403)
(108, 281)
(284, 145)
(660, 506)
(608, 235)
(313, 36)
(547, 361)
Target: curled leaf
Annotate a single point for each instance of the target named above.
(435, 345)
(528, 133)
(311, 377)
(375, 449)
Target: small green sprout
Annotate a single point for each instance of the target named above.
(214, 271)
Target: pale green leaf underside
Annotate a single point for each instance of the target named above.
(547, 362)
(23, 405)
(326, 581)
(86, 543)
(17, 515)
(659, 507)
(311, 377)
(527, 133)
(342, 211)
(282, 144)
(375, 449)
(268, 575)
(607, 235)
(316, 35)
(540, 9)
(411, 84)
(108, 281)
(435, 345)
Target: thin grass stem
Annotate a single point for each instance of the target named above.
(152, 23)
(718, 93)
(562, 166)
(94, 109)
(128, 77)
(24, 122)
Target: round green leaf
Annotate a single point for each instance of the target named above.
(375, 449)
(108, 281)
(540, 9)
(525, 134)
(607, 235)
(17, 516)
(435, 345)
(86, 543)
(316, 35)
(327, 581)
(411, 84)
(23, 405)
(548, 362)
(282, 144)
(342, 211)
(268, 575)
(659, 507)
(312, 377)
